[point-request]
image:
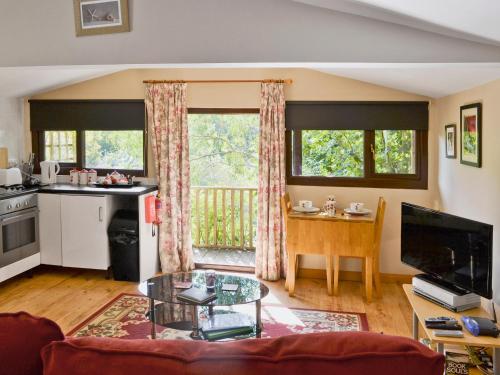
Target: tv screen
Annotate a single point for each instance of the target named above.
(451, 248)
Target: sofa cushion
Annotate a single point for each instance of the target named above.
(334, 353)
(22, 336)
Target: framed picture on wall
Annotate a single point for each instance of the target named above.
(101, 16)
(470, 134)
(450, 134)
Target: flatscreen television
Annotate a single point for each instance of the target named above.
(452, 249)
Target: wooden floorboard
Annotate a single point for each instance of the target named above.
(68, 296)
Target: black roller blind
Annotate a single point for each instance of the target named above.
(302, 115)
(87, 114)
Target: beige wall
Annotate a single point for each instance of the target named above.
(307, 85)
(467, 191)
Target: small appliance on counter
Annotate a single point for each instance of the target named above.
(49, 171)
(10, 177)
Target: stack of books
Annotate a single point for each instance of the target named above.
(196, 296)
(223, 326)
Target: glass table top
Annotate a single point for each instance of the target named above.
(162, 288)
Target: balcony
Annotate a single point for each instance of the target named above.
(224, 226)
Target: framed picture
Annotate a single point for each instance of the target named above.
(450, 134)
(94, 17)
(470, 134)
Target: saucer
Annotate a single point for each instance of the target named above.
(362, 212)
(305, 210)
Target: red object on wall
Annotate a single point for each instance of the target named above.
(150, 213)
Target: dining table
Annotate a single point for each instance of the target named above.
(333, 236)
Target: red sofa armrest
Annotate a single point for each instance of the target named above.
(22, 336)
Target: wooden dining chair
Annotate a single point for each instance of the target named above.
(295, 239)
(368, 252)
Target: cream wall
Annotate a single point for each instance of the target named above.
(307, 85)
(466, 191)
(11, 127)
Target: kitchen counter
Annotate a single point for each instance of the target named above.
(92, 190)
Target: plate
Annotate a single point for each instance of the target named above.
(306, 210)
(363, 212)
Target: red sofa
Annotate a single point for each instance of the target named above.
(35, 346)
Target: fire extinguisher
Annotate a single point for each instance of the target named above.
(158, 211)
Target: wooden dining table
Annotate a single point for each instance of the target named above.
(331, 236)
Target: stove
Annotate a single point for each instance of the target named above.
(15, 190)
(18, 224)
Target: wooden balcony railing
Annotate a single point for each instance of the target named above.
(224, 217)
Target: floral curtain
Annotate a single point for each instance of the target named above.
(270, 254)
(167, 123)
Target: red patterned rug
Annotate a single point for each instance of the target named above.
(124, 317)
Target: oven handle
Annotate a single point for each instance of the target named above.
(28, 213)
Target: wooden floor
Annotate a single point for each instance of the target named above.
(68, 296)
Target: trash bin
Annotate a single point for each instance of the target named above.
(123, 234)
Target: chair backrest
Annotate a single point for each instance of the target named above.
(379, 225)
(286, 206)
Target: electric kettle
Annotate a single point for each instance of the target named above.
(49, 170)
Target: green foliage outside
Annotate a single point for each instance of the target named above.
(223, 153)
(332, 153)
(340, 153)
(121, 149)
(224, 149)
(394, 151)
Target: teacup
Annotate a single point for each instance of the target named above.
(305, 204)
(357, 207)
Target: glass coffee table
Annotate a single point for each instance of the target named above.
(166, 310)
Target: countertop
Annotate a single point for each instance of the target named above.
(91, 190)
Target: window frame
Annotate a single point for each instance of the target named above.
(418, 180)
(38, 147)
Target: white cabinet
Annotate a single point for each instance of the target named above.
(50, 229)
(73, 231)
(84, 223)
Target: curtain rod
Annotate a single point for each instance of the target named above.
(285, 81)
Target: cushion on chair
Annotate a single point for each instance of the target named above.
(353, 353)
(22, 336)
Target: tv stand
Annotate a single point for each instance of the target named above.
(423, 309)
(444, 293)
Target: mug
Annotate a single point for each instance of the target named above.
(357, 206)
(305, 204)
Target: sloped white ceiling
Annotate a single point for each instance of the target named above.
(471, 20)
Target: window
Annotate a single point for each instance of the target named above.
(114, 149)
(332, 153)
(223, 147)
(395, 151)
(60, 146)
(104, 135)
(366, 144)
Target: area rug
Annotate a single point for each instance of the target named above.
(124, 317)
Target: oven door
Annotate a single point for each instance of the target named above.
(18, 236)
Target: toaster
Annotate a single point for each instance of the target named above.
(11, 176)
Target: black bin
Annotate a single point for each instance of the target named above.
(123, 234)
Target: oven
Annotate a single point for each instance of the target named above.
(19, 236)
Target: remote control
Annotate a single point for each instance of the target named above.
(443, 333)
(440, 319)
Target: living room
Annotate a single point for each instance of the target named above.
(392, 72)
